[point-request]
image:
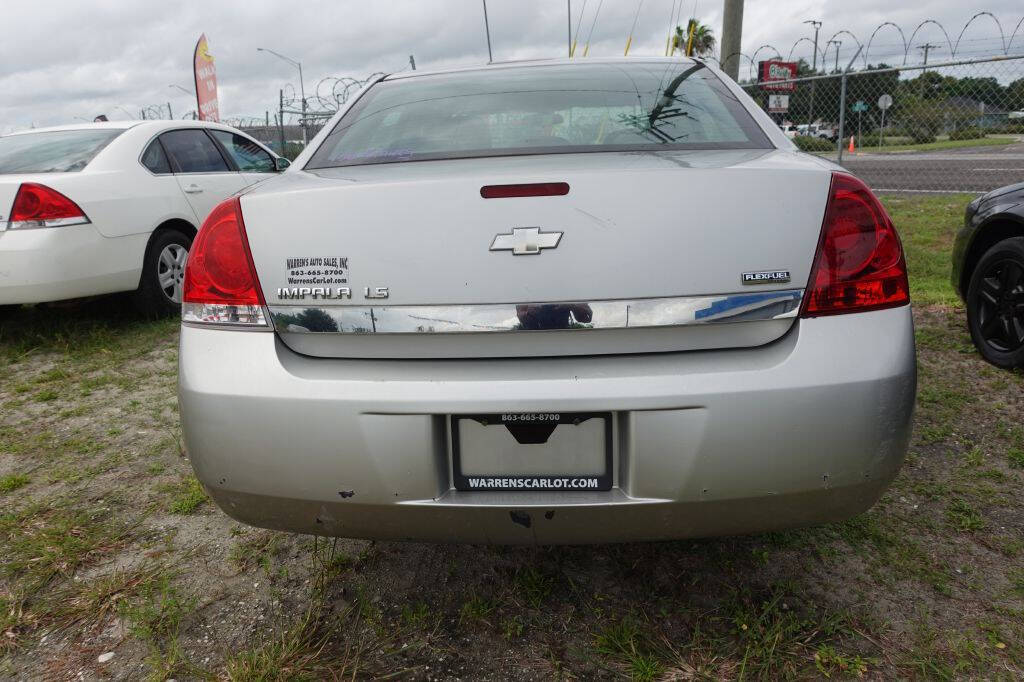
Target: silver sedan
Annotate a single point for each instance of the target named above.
(551, 302)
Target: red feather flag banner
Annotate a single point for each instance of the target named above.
(206, 82)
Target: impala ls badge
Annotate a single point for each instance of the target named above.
(523, 241)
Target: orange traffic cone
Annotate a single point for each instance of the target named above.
(851, 145)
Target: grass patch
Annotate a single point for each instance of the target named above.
(82, 331)
(296, 654)
(927, 226)
(626, 644)
(88, 605)
(43, 541)
(477, 608)
(321, 644)
(12, 482)
(188, 495)
(534, 585)
(47, 395)
(942, 144)
(892, 552)
(155, 617)
(961, 516)
(256, 549)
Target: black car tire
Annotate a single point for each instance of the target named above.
(150, 299)
(995, 304)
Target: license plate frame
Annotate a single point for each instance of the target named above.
(545, 482)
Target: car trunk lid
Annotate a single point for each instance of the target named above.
(636, 231)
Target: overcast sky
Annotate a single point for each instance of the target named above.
(61, 59)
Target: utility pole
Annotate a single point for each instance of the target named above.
(169, 114)
(412, 62)
(814, 67)
(280, 117)
(927, 47)
(732, 35)
(487, 29)
(568, 35)
(838, 44)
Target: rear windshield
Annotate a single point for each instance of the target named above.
(541, 110)
(62, 151)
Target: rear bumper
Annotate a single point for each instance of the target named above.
(808, 429)
(58, 263)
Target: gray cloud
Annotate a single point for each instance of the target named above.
(66, 59)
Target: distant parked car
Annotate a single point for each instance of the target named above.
(988, 274)
(99, 208)
(823, 131)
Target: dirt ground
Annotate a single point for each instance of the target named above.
(115, 565)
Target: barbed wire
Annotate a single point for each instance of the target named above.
(1005, 43)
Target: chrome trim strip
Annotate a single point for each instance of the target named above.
(676, 311)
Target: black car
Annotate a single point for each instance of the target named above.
(988, 274)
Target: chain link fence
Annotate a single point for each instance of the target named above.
(940, 128)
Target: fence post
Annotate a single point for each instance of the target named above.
(842, 107)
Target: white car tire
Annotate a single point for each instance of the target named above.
(163, 273)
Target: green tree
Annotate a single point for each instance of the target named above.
(1015, 95)
(703, 38)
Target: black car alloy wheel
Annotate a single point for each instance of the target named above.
(995, 304)
(1000, 301)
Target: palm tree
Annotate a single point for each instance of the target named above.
(703, 39)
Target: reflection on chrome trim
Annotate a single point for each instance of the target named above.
(234, 315)
(514, 317)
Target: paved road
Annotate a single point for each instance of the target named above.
(968, 169)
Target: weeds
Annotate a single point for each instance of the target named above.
(12, 482)
(535, 585)
(625, 643)
(961, 516)
(187, 496)
(156, 617)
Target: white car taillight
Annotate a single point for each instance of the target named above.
(859, 264)
(41, 206)
(221, 286)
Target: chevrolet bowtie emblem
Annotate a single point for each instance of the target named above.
(525, 240)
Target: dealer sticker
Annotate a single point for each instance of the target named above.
(317, 270)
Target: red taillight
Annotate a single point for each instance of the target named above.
(533, 189)
(41, 206)
(220, 279)
(859, 264)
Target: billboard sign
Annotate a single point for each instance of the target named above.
(776, 70)
(206, 82)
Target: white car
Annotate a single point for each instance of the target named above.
(106, 207)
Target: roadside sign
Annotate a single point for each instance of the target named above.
(859, 106)
(778, 104)
(776, 70)
(885, 101)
